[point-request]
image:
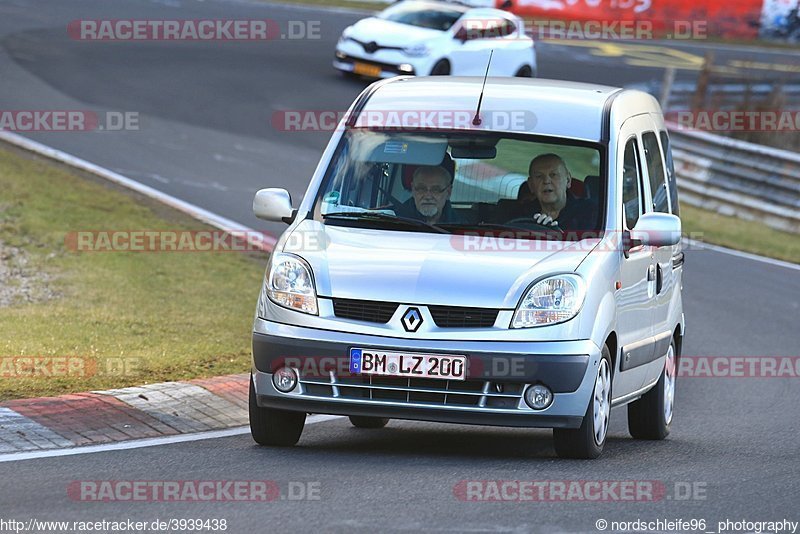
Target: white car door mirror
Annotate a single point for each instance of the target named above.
(273, 204)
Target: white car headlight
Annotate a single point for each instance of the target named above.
(417, 50)
(550, 301)
(290, 284)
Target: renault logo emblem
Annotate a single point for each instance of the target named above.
(412, 320)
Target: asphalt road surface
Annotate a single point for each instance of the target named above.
(205, 136)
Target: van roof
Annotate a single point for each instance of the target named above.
(543, 107)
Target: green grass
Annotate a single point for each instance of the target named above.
(172, 315)
(747, 236)
(353, 4)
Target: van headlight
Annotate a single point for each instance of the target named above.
(550, 301)
(290, 284)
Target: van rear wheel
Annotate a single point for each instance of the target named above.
(271, 426)
(588, 440)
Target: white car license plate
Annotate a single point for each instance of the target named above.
(372, 362)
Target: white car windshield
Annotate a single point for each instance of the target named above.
(455, 181)
(422, 15)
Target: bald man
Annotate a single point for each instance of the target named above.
(550, 205)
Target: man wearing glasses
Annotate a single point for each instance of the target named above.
(430, 197)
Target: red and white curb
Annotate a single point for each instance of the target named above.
(101, 417)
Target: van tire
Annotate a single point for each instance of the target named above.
(581, 442)
(271, 426)
(648, 417)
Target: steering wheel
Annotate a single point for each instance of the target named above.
(527, 222)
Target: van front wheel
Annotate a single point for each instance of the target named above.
(271, 426)
(588, 440)
(650, 417)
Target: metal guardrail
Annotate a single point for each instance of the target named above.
(737, 178)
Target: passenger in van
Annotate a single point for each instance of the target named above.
(550, 205)
(430, 197)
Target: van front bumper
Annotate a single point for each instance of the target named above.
(493, 394)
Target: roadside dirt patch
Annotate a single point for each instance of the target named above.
(20, 281)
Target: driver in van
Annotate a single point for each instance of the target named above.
(549, 204)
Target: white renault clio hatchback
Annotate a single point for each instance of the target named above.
(428, 37)
(476, 268)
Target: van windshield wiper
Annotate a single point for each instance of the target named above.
(377, 216)
(518, 231)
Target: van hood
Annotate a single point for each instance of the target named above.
(425, 268)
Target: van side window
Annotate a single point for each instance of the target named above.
(655, 169)
(631, 178)
(671, 178)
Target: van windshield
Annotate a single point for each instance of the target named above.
(454, 182)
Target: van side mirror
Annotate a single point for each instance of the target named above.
(274, 204)
(657, 230)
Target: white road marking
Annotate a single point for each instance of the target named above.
(739, 254)
(141, 443)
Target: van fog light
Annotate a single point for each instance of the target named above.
(284, 379)
(538, 397)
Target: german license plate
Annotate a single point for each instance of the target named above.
(365, 69)
(442, 366)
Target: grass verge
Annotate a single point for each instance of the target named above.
(738, 234)
(352, 4)
(118, 318)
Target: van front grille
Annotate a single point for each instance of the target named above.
(452, 317)
(364, 310)
(444, 316)
(430, 392)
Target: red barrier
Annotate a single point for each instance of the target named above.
(729, 18)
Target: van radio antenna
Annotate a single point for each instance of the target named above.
(477, 120)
